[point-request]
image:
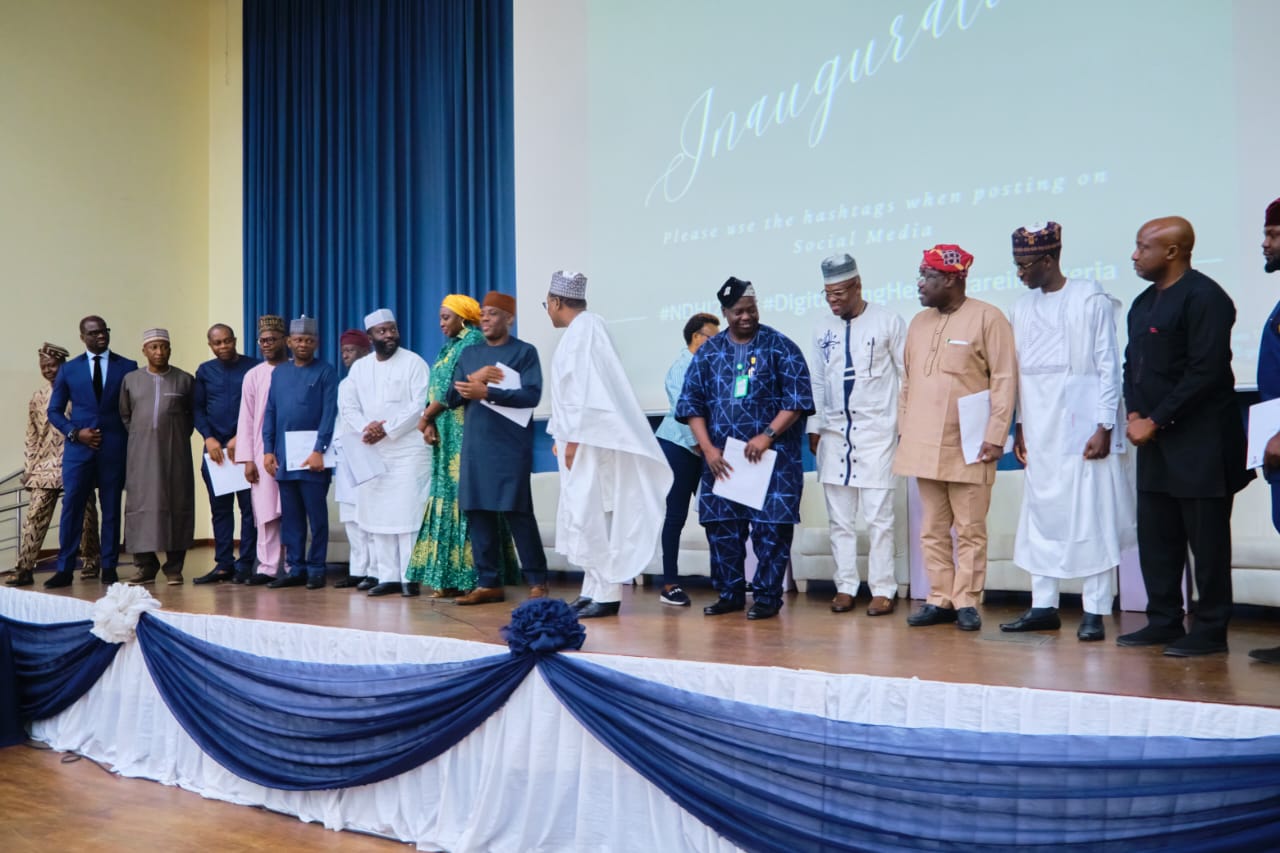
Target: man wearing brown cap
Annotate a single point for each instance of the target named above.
(1269, 383)
(42, 478)
(956, 347)
(499, 385)
(1179, 392)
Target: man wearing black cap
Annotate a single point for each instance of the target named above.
(750, 385)
(1269, 383)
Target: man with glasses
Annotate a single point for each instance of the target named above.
(855, 359)
(955, 348)
(249, 450)
(95, 452)
(1077, 500)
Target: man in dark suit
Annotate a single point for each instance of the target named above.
(1183, 418)
(96, 438)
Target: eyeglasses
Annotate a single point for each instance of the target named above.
(269, 339)
(835, 295)
(1023, 266)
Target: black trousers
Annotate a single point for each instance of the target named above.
(1166, 527)
(485, 529)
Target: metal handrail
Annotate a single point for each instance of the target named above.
(11, 511)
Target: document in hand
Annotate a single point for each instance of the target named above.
(362, 461)
(975, 411)
(748, 482)
(298, 445)
(1264, 422)
(510, 381)
(227, 477)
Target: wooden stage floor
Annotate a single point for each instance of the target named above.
(806, 635)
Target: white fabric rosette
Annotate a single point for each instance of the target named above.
(116, 614)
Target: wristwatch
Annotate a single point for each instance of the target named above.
(769, 433)
(71, 435)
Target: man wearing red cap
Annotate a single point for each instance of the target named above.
(955, 348)
(1269, 383)
(353, 345)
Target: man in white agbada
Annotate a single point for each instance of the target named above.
(856, 364)
(613, 476)
(1078, 504)
(390, 390)
(353, 346)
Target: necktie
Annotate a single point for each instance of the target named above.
(97, 377)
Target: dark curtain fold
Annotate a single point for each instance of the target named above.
(312, 726)
(777, 780)
(378, 160)
(45, 669)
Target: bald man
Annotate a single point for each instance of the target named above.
(1183, 418)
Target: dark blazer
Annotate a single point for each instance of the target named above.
(74, 384)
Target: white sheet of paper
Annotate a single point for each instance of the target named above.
(298, 445)
(975, 411)
(1264, 422)
(748, 482)
(1080, 416)
(344, 487)
(510, 381)
(226, 478)
(362, 460)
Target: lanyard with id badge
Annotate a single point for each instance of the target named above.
(742, 382)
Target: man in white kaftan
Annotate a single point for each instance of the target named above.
(353, 346)
(1078, 506)
(856, 364)
(390, 391)
(613, 476)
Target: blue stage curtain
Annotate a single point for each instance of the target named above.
(776, 780)
(310, 726)
(378, 160)
(47, 668)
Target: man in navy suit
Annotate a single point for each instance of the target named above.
(96, 438)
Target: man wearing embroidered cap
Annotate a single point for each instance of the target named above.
(388, 391)
(42, 478)
(159, 510)
(855, 358)
(1077, 499)
(497, 449)
(1269, 383)
(303, 400)
(353, 345)
(955, 348)
(249, 450)
(750, 384)
(613, 476)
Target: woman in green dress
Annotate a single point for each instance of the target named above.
(442, 556)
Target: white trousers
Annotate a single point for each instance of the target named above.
(877, 510)
(1096, 596)
(358, 545)
(391, 552)
(598, 589)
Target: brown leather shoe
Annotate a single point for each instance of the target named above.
(139, 579)
(842, 603)
(538, 590)
(882, 606)
(482, 595)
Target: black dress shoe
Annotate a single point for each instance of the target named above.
(596, 609)
(1266, 655)
(287, 580)
(239, 579)
(384, 589)
(411, 590)
(58, 580)
(1035, 619)
(932, 614)
(348, 582)
(724, 605)
(108, 577)
(967, 619)
(1152, 635)
(579, 603)
(367, 584)
(1091, 629)
(760, 610)
(259, 579)
(218, 575)
(1194, 645)
(316, 582)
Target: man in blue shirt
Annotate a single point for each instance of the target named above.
(216, 406)
(303, 399)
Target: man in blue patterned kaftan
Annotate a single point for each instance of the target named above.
(750, 383)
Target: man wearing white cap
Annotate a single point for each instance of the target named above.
(388, 393)
(159, 512)
(856, 363)
(607, 453)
